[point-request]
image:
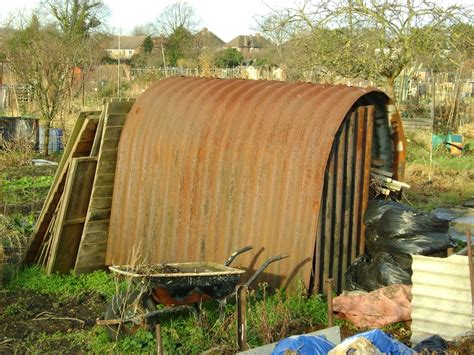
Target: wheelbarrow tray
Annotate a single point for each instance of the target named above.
(187, 283)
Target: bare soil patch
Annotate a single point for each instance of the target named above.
(28, 318)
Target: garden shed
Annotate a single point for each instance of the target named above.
(207, 166)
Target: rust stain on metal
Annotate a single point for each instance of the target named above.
(206, 166)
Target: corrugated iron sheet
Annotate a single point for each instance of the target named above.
(441, 301)
(206, 166)
(340, 238)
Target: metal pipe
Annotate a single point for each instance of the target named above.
(329, 284)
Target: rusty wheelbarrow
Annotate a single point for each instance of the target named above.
(177, 287)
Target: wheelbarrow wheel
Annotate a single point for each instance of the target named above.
(125, 305)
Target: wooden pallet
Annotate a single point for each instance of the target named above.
(92, 248)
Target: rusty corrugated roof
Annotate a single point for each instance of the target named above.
(206, 166)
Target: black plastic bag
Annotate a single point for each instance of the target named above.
(397, 222)
(396, 228)
(376, 208)
(432, 345)
(370, 273)
(394, 233)
(427, 243)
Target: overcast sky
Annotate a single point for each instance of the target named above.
(225, 18)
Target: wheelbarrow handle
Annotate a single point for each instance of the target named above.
(263, 267)
(231, 258)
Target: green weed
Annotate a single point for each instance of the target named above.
(36, 280)
(24, 191)
(142, 342)
(270, 317)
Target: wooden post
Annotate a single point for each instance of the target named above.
(159, 340)
(242, 317)
(329, 284)
(433, 116)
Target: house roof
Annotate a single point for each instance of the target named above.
(206, 38)
(126, 42)
(250, 41)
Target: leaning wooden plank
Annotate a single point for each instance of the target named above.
(98, 137)
(42, 255)
(76, 132)
(90, 256)
(76, 196)
(85, 124)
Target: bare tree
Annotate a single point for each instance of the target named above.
(38, 57)
(279, 29)
(53, 59)
(179, 14)
(370, 39)
(143, 30)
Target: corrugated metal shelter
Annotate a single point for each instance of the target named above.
(206, 166)
(441, 301)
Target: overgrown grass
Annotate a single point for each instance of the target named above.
(14, 235)
(28, 190)
(35, 279)
(16, 152)
(442, 181)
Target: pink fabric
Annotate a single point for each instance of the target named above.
(375, 309)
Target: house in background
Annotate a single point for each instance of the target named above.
(124, 47)
(207, 39)
(249, 45)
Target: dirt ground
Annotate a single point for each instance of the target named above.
(30, 321)
(27, 318)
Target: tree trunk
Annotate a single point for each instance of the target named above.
(390, 88)
(46, 139)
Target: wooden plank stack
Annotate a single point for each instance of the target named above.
(72, 229)
(384, 184)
